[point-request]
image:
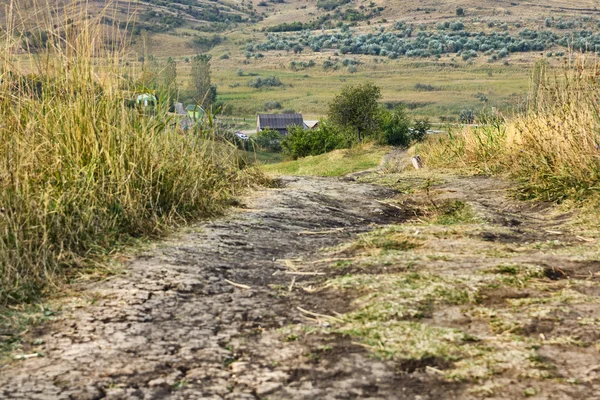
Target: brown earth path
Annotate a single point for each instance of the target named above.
(172, 325)
(199, 315)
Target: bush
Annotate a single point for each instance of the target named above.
(419, 130)
(207, 43)
(394, 126)
(291, 27)
(270, 81)
(425, 87)
(269, 140)
(466, 116)
(302, 143)
(272, 105)
(329, 5)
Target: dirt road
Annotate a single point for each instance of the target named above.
(176, 323)
(498, 302)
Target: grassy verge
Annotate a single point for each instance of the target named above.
(335, 163)
(82, 173)
(552, 149)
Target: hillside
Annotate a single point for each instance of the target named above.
(436, 57)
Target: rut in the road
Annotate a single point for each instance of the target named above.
(172, 325)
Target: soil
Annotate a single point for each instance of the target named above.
(202, 314)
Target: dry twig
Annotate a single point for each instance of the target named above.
(237, 285)
(316, 315)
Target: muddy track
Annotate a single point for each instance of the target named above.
(178, 324)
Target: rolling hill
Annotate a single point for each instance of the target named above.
(435, 57)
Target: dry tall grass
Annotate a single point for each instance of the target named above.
(553, 148)
(80, 172)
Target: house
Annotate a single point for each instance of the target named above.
(195, 112)
(311, 124)
(278, 122)
(146, 99)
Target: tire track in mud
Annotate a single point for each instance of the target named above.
(173, 327)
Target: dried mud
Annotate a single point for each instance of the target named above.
(199, 315)
(173, 327)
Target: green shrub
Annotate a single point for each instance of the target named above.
(302, 142)
(466, 116)
(272, 105)
(419, 130)
(394, 126)
(269, 81)
(422, 87)
(269, 140)
(329, 5)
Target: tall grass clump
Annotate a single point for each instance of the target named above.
(552, 148)
(80, 170)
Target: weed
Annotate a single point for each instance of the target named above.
(453, 212)
(529, 392)
(391, 238)
(551, 148)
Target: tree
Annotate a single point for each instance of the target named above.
(356, 107)
(460, 12)
(200, 80)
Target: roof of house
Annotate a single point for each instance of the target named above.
(279, 121)
(146, 96)
(311, 123)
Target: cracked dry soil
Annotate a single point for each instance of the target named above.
(173, 327)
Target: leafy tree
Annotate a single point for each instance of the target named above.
(356, 108)
(460, 11)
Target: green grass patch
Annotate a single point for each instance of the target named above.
(335, 163)
(391, 238)
(453, 212)
(15, 321)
